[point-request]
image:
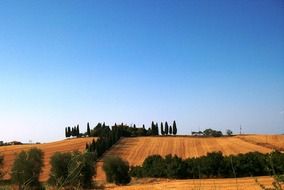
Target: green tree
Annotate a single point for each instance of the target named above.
(27, 167)
(171, 130)
(166, 128)
(71, 170)
(66, 132)
(69, 131)
(77, 131)
(156, 129)
(153, 128)
(174, 128)
(229, 132)
(154, 166)
(162, 129)
(88, 129)
(175, 167)
(117, 170)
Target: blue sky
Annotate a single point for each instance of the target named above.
(217, 64)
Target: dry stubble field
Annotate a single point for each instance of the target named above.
(49, 149)
(204, 184)
(136, 150)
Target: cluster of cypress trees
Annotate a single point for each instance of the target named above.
(172, 130)
(126, 131)
(74, 131)
(106, 139)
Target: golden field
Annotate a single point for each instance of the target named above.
(271, 141)
(136, 150)
(248, 183)
(48, 149)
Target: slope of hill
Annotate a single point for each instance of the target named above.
(135, 150)
(49, 149)
(205, 184)
(271, 141)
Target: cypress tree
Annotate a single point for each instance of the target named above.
(166, 128)
(174, 128)
(77, 131)
(69, 131)
(162, 129)
(152, 128)
(144, 130)
(157, 129)
(66, 132)
(171, 130)
(88, 129)
(72, 131)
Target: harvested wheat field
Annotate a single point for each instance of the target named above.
(271, 141)
(136, 150)
(204, 184)
(49, 149)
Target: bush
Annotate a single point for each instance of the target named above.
(117, 170)
(229, 132)
(72, 170)
(213, 165)
(175, 167)
(153, 166)
(59, 168)
(26, 168)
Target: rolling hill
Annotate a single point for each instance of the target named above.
(135, 150)
(49, 149)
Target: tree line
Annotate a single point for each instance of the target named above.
(213, 165)
(127, 131)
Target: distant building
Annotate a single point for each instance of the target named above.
(199, 133)
(15, 143)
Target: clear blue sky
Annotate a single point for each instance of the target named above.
(214, 64)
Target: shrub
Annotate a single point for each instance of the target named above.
(27, 167)
(71, 170)
(229, 132)
(59, 168)
(175, 167)
(154, 166)
(213, 165)
(117, 170)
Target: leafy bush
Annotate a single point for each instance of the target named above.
(213, 165)
(117, 170)
(211, 132)
(27, 167)
(153, 166)
(72, 170)
(175, 167)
